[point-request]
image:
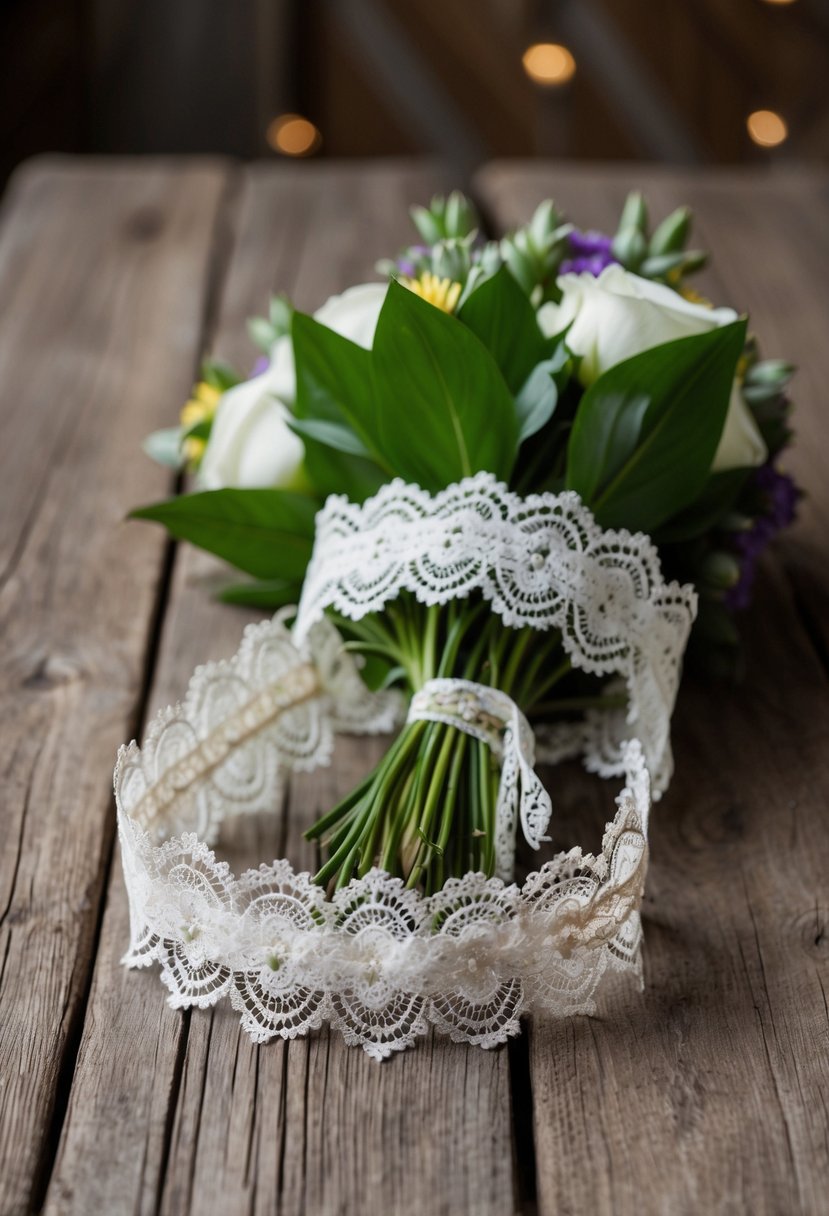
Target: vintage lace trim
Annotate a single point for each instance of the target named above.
(381, 963)
(540, 561)
(490, 715)
(225, 749)
(378, 962)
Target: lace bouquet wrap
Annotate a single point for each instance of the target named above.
(380, 959)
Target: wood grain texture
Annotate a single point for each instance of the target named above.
(708, 1093)
(102, 281)
(215, 1123)
(711, 1093)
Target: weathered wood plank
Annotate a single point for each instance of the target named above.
(199, 1119)
(710, 1092)
(102, 280)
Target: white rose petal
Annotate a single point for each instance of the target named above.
(281, 374)
(619, 314)
(251, 443)
(741, 444)
(354, 313)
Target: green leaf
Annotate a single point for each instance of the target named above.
(199, 430)
(280, 315)
(670, 236)
(334, 472)
(715, 501)
(219, 375)
(537, 398)
(261, 333)
(442, 410)
(164, 447)
(336, 460)
(634, 213)
(501, 315)
(775, 373)
(331, 434)
(267, 593)
(266, 533)
(333, 378)
(646, 432)
(334, 411)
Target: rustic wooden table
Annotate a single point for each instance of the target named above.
(708, 1093)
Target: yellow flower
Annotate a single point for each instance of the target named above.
(694, 297)
(193, 449)
(200, 408)
(202, 405)
(442, 293)
(674, 277)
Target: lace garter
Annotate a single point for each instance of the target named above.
(381, 963)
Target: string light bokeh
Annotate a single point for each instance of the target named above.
(293, 135)
(766, 128)
(549, 64)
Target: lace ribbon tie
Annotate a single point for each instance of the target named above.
(492, 717)
(541, 562)
(379, 962)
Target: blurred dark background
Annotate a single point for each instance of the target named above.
(695, 81)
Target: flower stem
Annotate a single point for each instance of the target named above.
(428, 810)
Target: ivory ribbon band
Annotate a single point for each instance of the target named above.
(492, 717)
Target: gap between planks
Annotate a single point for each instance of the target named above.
(75, 631)
(193, 1147)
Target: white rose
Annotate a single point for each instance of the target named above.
(354, 313)
(619, 314)
(251, 443)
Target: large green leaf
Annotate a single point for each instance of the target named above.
(332, 471)
(501, 315)
(333, 380)
(266, 533)
(716, 500)
(442, 408)
(646, 432)
(334, 411)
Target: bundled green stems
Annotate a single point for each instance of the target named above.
(427, 811)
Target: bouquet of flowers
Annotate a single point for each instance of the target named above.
(501, 485)
(554, 360)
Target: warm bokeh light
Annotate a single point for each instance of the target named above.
(779, 1)
(766, 128)
(548, 63)
(293, 135)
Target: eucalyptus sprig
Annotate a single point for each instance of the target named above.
(660, 255)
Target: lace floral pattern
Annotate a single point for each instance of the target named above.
(540, 561)
(380, 963)
(225, 749)
(377, 961)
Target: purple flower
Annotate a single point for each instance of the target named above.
(407, 263)
(780, 495)
(261, 365)
(590, 253)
